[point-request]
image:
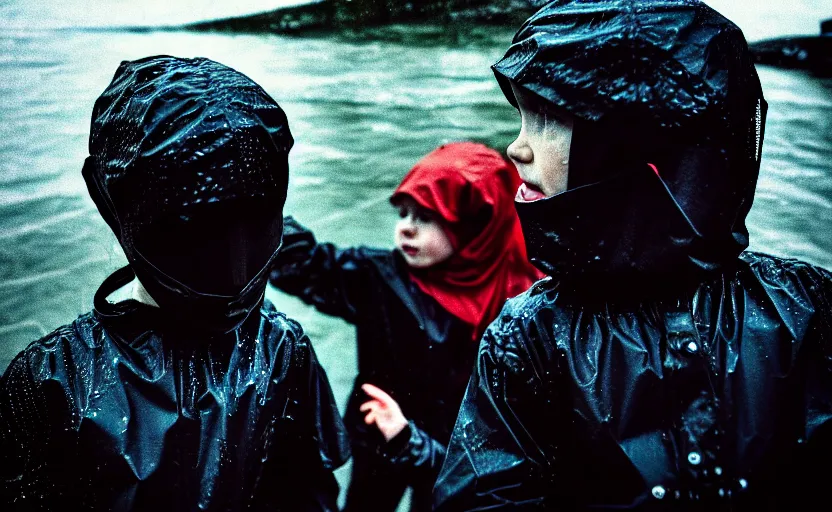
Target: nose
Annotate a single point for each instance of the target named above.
(520, 151)
(407, 227)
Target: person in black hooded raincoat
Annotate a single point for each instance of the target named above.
(418, 310)
(199, 395)
(659, 366)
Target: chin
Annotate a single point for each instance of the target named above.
(415, 263)
(411, 262)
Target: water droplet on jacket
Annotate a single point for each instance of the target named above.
(658, 492)
(743, 483)
(694, 458)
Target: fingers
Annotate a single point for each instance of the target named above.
(371, 405)
(370, 418)
(377, 393)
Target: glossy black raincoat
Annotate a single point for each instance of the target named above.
(408, 345)
(659, 366)
(213, 401)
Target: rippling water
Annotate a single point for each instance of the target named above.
(362, 112)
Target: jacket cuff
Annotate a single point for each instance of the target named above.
(399, 444)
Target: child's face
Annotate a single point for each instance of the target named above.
(420, 237)
(541, 151)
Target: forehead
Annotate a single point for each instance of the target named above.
(406, 202)
(530, 103)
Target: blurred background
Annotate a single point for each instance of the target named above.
(368, 89)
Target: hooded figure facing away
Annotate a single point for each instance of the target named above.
(659, 366)
(196, 394)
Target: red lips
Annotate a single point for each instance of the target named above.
(409, 250)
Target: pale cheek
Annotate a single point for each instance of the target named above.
(555, 176)
(552, 159)
(440, 247)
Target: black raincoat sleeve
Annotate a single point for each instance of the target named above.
(813, 483)
(313, 442)
(34, 415)
(17, 435)
(499, 456)
(320, 274)
(414, 450)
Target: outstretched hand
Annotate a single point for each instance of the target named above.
(383, 411)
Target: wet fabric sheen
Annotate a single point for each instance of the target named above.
(113, 413)
(183, 148)
(660, 367)
(721, 400)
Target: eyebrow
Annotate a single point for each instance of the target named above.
(531, 102)
(419, 210)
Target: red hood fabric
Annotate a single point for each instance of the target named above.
(471, 187)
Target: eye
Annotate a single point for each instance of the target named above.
(402, 213)
(421, 216)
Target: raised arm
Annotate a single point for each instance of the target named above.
(320, 274)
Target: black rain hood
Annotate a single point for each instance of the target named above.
(189, 167)
(669, 83)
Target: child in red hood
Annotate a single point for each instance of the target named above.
(418, 311)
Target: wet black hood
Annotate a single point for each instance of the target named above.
(189, 166)
(668, 83)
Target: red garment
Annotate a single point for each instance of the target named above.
(470, 185)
